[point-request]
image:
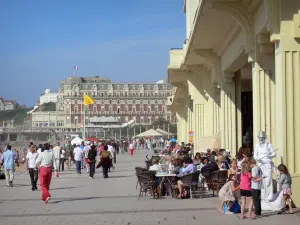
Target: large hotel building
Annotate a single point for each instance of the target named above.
(115, 103)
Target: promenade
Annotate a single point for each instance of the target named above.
(78, 200)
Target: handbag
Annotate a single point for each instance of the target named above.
(99, 164)
(235, 208)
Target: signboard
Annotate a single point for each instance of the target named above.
(191, 136)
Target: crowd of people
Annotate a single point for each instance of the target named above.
(43, 159)
(244, 182)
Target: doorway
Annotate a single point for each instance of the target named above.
(247, 119)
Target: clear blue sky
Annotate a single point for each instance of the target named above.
(127, 40)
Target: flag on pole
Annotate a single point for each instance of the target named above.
(88, 100)
(76, 68)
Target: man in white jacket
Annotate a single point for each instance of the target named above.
(56, 153)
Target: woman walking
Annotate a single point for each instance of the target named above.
(131, 148)
(105, 161)
(30, 166)
(46, 161)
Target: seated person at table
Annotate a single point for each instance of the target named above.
(222, 163)
(175, 165)
(188, 167)
(208, 169)
(155, 165)
(197, 159)
(204, 162)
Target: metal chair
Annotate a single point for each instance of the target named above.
(146, 185)
(218, 178)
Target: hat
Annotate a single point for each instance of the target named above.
(88, 142)
(78, 143)
(262, 134)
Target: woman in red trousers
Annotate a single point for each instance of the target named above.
(131, 148)
(46, 161)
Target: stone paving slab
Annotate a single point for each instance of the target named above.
(76, 199)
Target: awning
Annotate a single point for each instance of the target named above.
(149, 133)
(163, 132)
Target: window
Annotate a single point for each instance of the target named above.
(133, 109)
(148, 94)
(118, 110)
(133, 101)
(109, 101)
(75, 121)
(95, 108)
(102, 94)
(110, 109)
(156, 108)
(118, 101)
(142, 109)
(102, 108)
(75, 109)
(141, 94)
(149, 109)
(149, 120)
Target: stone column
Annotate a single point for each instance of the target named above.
(287, 68)
(228, 113)
(263, 78)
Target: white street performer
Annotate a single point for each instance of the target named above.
(263, 154)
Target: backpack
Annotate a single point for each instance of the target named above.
(92, 154)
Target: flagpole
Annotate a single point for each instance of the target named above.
(83, 133)
(74, 73)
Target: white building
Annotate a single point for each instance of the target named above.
(48, 96)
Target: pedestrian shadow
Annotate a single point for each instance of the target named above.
(58, 200)
(17, 185)
(63, 188)
(55, 201)
(111, 176)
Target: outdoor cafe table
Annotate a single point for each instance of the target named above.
(167, 178)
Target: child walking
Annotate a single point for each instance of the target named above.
(229, 192)
(245, 187)
(256, 186)
(286, 184)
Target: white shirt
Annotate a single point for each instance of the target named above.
(256, 172)
(56, 152)
(78, 154)
(39, 151)
(111, 149)
(131, 146)
(31, 159)
(154, 167)
(46, 159)
(86, 150)
(62, 155)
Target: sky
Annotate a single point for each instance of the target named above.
(127, 40)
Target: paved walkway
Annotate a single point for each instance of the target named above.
(80, 200)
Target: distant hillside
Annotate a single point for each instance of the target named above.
(46, 107)
(18, 115)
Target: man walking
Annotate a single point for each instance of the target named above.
(78, 157)
(56, 152)
(8, 158)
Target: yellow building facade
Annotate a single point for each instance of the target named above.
(238, 72)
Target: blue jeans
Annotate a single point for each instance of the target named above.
(78, 166)
(83, 162)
